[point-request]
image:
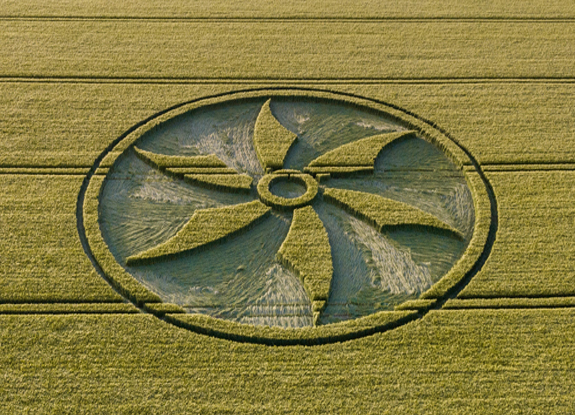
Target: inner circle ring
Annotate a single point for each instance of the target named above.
(284, 203)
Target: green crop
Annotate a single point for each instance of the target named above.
(306, 250)
(296, 49)
(358, 153)
(338, 170)
(533, 251)
(283, 203)
(378, 322)
(45, 170)
(160, 309)
(162, 161)
(179, 171)
(208, 171)
(384, 213)
(68, 308)
(272, 141)
(497, 77)
(236, 182)
(366, 9)
(515, 360)
(317, 9)
(550, 302)
(416, 305)
(499, 117)
(41, 257)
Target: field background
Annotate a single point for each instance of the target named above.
(498, 76)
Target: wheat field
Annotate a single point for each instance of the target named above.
(497, 78)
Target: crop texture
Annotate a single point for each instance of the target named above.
(206, 226)
(384, 213)
(79, 334)
(271, 140)
(359, 153)
(305, 251)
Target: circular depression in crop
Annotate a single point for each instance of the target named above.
(287, 188)
(146, 207)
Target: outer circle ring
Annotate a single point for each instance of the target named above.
(447, 287)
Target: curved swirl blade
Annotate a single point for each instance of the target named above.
(382, 212)
(306, 250)
(231, 182)
(204, 227)
(272, 140)
(163, 161)
(360, 154)
(207, 171)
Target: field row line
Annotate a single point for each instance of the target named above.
(155, 80)
(68, 308)
(520, 167)
(287, 19)
(528, 168)
(37, 170)
(83, 170)
(509, 303)
(127, 308)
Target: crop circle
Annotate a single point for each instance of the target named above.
(179, 217)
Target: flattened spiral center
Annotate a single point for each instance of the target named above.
(287, 191)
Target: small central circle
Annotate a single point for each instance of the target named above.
(287, 191)
(288, 188)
